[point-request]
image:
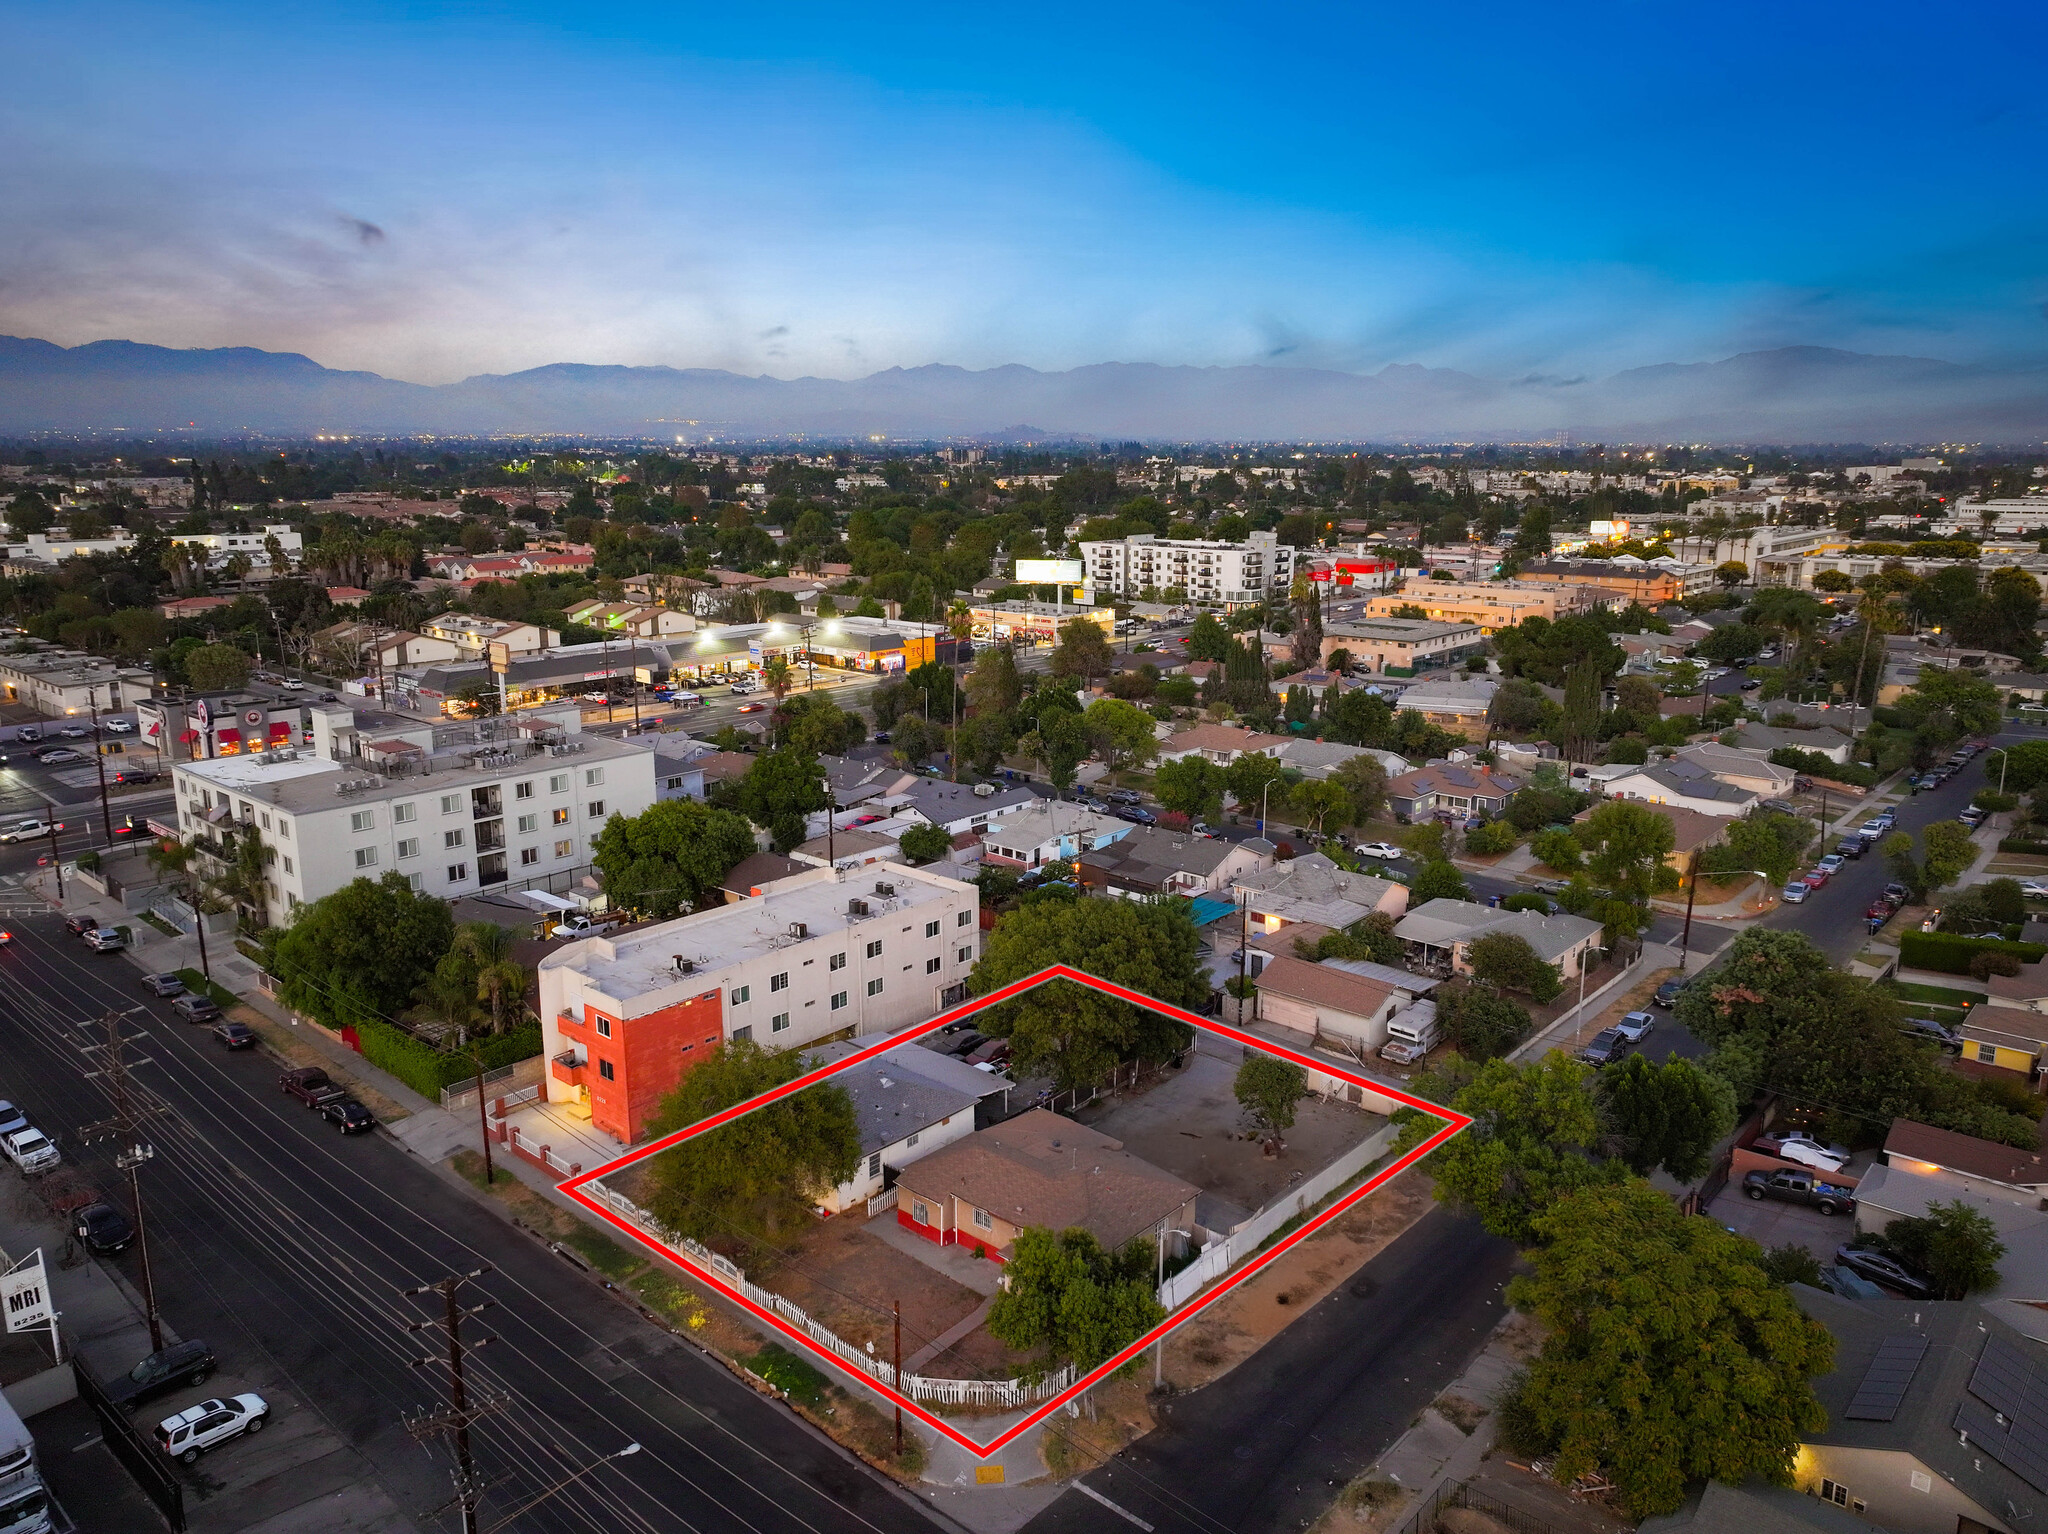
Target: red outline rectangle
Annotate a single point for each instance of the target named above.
(1454, 1123)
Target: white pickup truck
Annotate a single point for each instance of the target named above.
(30, 1150)
(585, 926)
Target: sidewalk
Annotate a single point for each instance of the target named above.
(1565, 1027)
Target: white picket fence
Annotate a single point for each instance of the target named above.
(933, 1392)
(1219, 1257)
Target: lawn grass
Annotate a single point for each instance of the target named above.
(161, 925)
(1937, 995)
(199, 985)
(603, 1253)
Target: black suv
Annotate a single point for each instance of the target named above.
(1850, 847)
(182, 1363)
(1608, 1046)
(1667, 993)
(78, 926)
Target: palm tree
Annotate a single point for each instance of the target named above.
(499, 977)
(779, 678)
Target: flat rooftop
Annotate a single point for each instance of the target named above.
(635, 963)
(307, 782)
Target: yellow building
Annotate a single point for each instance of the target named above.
(1490, 605)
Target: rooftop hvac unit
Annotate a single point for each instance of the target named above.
(882, 887)
(798, 929)
(856, 908)
(685, 966)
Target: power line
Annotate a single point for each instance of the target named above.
(125, 1124)
(454, 1420)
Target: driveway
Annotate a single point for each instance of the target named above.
(1773, 1222)
(1190, 1124)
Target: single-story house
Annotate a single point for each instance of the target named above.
(1442, 788)
(1039, 1169)
(1050, 831)
(2011, 1029)
(1458, 704)
(955, 807)
(1891, 1192)
(1754, 1508)
(905, 1108)
(1152, 860)
(1935, 1417)
(1685, 784)
(1690, 831)
(1740, 769)
(849, 849)
(1964, 1161)
(857, 779)
(1221, 744)
(1320, 758)
(1313, 889)
(1828, 742)
(1441, 932)
(1342, 1004)
(748, 877)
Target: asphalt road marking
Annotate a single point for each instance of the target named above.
(1122, 1512)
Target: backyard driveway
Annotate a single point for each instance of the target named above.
(1772, 1222)
(1188, 1122)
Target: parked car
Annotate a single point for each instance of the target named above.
(310, 1085)
(585, 926)
(1815, 878)
(198, 1428)
(1880, 911)
(1880, 1269)
(118, 727)
(135, 775)
(348, 1115)
(235, 1035)
(165, 984)
(967, 1043)
(1850, 847)
(1795, 892)
(1636, 1026)
(74, 732)
(1137, 815)
(103, 1229)
(1973, 817)
(1874, 830)
(30, 1150)
(989, 1052)
(1667, 993)
(1932, 1032)
(1607, 1046)
(2034, 889)
(1898, 892)
(195, 1008)
(1798, 1145)
(1384, 850)
(1800, 1188)
(1831, 864)
(57, 756)
(105, 940)
(11, 1118)
(181, 1364)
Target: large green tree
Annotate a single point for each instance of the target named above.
(671, 856)
(1076, 1034)
(1672, 1357)
(1627, 844)
(217, 668)
(1070, 1301)
(748, 1182)
(1083, 650)
(1268, 1089)
(1190, 786)
(994, 686)
(359, 954)
(779, 790)
(1670, 1115)
(1120, 733)
(1530, 1143)
(1505, 960)
(1955, 1245)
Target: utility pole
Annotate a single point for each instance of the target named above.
(99, 759)
(483, 1119)
(1692, 888)
(125, 1124)
(898, 1304)
(461, 1411)
(56, 858)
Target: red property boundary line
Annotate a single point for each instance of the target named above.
(1454, 1124)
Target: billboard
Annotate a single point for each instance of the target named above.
(1047, 572)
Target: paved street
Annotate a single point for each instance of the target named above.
(287, 1247)
(1264, 1449)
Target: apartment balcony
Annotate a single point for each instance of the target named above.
(486, 802)
(490, 869)
(567, 1068)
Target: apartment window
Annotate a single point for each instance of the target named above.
(875, 1164)
(597, 809)
(963, 918)
(558, 783)
(362, 820)
(592, 776)
(412, 879)
(966, 954)
(561, 817)
(931, 929)
(983, 1220)
(402, 814)
(838, 1001)
(523, 790)
(564, 848)
(528, 856)
(284, 830)
(912, 1140)
(740, 993)
(604, 1069)
(451, 804)
(744, 1033)
(1835, 1492)
(265, 818)
(529, 823)
(409, 847)
(874, 987)
(779, 982)
(457, 872)
(366, 857)
(452, 838)
(778, 1022)
(837, 961)
(875, 949)
(931, 966)
(287, 865)
(604, 1027)
(672, 783)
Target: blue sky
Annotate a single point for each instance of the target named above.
(433, 191)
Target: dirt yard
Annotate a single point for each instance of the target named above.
(1189, 1123)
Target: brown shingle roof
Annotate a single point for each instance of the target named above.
(749, 874)
(1965, 1154)
(1041, 1169)
(1323, 987)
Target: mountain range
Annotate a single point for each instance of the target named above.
(1797, 394)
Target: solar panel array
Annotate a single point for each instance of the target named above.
(2006, 1410)
(1884, 1382)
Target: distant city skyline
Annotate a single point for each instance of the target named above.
(431, 193)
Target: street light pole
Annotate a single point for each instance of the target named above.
(131, 1161)
(566, 1481)
(99, 759)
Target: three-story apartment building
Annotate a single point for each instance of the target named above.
(1235, 574)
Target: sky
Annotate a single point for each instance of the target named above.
(432, 191)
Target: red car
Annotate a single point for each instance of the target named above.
(1816, 879)
(752, 708)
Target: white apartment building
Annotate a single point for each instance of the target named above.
(825, 952)
(1236, 574)
(220, 547)
(454, 819)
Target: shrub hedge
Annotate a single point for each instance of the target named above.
(1950, 953)
(2021, 844)
(426, 1069)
